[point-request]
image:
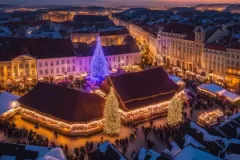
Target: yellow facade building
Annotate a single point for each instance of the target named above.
(19, 69)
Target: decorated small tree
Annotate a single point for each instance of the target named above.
(111, 115)
(99, 66)
(175, 108)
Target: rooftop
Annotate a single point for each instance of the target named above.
(147, 87)
(36, 47)
(72, 105)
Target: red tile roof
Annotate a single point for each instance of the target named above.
(139, 85)
(63, 103)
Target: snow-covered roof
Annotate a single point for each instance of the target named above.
(175, 78)
(190, 140)
(215, 89)
(174, 150)
(104, 147)
(143, 153)
(211, 88)
(53, 154)
(15, 151)
(41, 150)
(5, 101)
(229, 95)
(192, 153)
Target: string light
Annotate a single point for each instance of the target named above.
(111, 115)
(175, 107)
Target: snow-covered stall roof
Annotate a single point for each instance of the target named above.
(143, 153)
(211, 88)
(175, 78)
(106, 146)
(192, 153)
(5, 101)
(54, 154)
(229, 95)
(215, 89)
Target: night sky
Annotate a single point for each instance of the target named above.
(113, 2)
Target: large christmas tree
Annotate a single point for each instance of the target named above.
(175, 108)
(99, 66)
(111, 115)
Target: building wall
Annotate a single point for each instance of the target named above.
(214, 61)
(233, 66)
(112, 40)
(57, 67)
(74, 66)
(84, 37)
(22, 68)
(179, 52)
(58, 16)
(138, 33)
(119, 22)
(153, 45)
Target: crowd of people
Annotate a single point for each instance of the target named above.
(164, 133)
(30, 137)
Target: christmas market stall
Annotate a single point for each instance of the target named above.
(176, 79)
(210, 118)
(215, 90)
(143, 95)
(66, 110)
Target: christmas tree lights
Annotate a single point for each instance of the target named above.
(99, 66)
(111, 115)
(175, 107)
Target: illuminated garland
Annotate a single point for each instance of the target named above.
(203, 90)
(153, 96)
(93, 126)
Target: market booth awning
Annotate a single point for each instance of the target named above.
(175, 79)
(210, 88)
(229, 95)
(218, 90)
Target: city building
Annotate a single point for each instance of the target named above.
(182, 45)
(214, 62)
(25, 59)
(16, 64)
(233, 64)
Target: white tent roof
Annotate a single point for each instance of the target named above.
(54, 154)
(5, 101)
(229, 95)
